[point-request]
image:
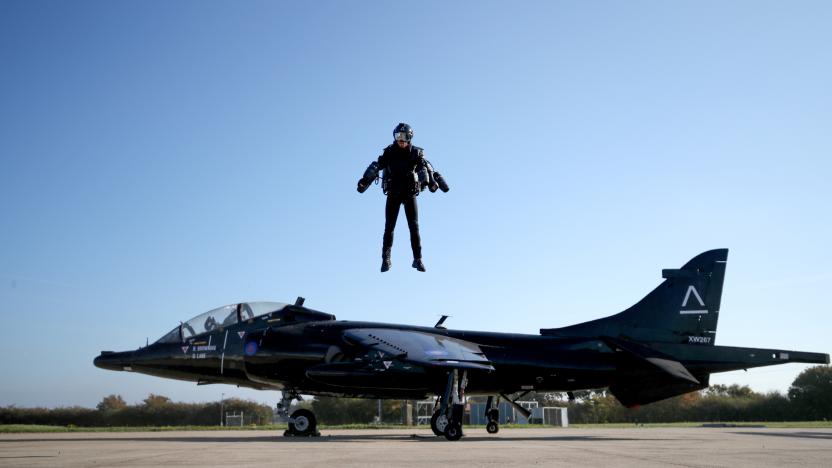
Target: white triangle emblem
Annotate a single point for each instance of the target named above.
(698, 298)
(184, 349)
(242, 334)
(691, 289)
(387, 364)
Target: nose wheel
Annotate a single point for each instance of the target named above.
(302, 422)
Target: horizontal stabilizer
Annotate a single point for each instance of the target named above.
(730, 358)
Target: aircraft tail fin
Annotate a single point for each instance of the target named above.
(684, 308)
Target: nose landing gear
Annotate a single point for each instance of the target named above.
(302, 422)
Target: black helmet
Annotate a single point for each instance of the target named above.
(403, 132)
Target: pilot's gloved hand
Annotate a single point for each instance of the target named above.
(433, 187)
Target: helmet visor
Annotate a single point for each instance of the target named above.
(402, 136)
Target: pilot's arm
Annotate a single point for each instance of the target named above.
(425, 172)
(370, 174)
(436, 181)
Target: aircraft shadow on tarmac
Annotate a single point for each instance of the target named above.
(333, 438)
(800, 435)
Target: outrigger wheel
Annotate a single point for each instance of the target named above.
(302, 423)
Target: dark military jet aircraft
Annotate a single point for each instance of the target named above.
(661, 347)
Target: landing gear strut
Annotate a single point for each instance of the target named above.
(493, 416)
(302, 422)
(447, 418)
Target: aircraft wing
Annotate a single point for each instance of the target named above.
(419, 348)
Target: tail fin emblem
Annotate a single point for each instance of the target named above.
(698, 298)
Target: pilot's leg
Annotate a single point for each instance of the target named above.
(391, 214)
(411, 211)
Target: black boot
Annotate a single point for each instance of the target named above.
(417, 264)
(385, 261)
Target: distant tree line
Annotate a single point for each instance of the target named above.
(357, 410)
(155, 410)
(717, 403)
(809, 399)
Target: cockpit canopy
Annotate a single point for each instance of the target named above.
(220, 317)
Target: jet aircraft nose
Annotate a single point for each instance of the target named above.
(112, 360)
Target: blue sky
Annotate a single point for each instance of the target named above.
(160, 159)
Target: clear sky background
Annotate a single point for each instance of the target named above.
(159, 159)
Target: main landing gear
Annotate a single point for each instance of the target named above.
(302, 422)
(447, 414)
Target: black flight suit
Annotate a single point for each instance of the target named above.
(400, 166)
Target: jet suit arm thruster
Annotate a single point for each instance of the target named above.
(370, 174)
(430, 178)
(427, 177)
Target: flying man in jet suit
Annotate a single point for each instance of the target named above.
(405, 174)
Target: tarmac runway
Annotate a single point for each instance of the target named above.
(642, 447)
